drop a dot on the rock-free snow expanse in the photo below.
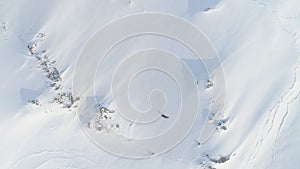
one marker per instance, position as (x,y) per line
(259,49)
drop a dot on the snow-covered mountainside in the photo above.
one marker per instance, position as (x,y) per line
(258,43)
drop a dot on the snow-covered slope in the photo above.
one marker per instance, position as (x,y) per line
(258,44)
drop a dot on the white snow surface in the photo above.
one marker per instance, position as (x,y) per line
(258,42)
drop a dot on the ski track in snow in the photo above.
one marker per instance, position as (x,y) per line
(50,155)
(286,100)
(291,96)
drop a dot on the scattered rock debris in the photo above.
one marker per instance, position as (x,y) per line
(103,112)
(150,153)
(207,9)
(206,165)
(198,143)
(221,124)
(34,102)
(4,30)
(209,162)
(66,99)
(103,120)
(218,160)
(32,46)
(4,27)
(51,71)
(211,167)
(209,84)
